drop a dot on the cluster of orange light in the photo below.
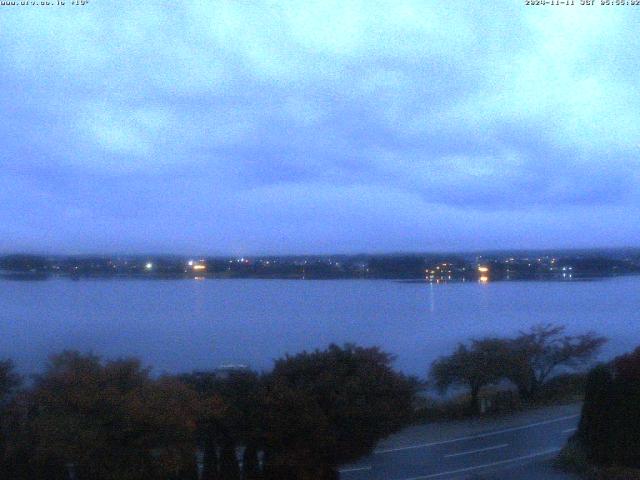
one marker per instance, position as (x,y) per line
(484,278)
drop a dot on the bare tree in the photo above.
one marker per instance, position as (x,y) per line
(528,360)
(536,354)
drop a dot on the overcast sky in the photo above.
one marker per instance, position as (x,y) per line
(273,127)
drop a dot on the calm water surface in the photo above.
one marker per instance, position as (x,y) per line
(184,325)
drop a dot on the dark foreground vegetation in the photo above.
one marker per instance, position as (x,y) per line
(607,444)
(88,419)
(528,368)
(84,418)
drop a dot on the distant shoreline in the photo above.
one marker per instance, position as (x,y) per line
(413,268)
(13,277)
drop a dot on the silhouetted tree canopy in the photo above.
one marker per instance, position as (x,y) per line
(538,353)
(9,381)
(610,424)
(235,419)
(474,366)
(90,419)
(330,407)
(112,420)
(528,360)
(105,421)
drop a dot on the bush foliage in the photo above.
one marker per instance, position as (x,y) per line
(610,424)
(89,419)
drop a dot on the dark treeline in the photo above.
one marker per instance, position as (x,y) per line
(88,419)
(84,418)
(528,362)
(429,267)
(609,429)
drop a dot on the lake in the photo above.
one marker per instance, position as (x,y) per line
(181,325)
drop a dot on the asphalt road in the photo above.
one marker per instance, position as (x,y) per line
(515,447)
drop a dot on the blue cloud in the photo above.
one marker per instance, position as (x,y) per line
(331,126)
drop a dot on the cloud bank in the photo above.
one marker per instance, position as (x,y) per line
(249,127)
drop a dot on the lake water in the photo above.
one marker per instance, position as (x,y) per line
(183,325)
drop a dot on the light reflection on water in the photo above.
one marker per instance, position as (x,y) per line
(432,298)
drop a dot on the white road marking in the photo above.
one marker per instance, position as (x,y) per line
(469,452)
(486,465)
(354,469)
(473,437)
(569,430)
